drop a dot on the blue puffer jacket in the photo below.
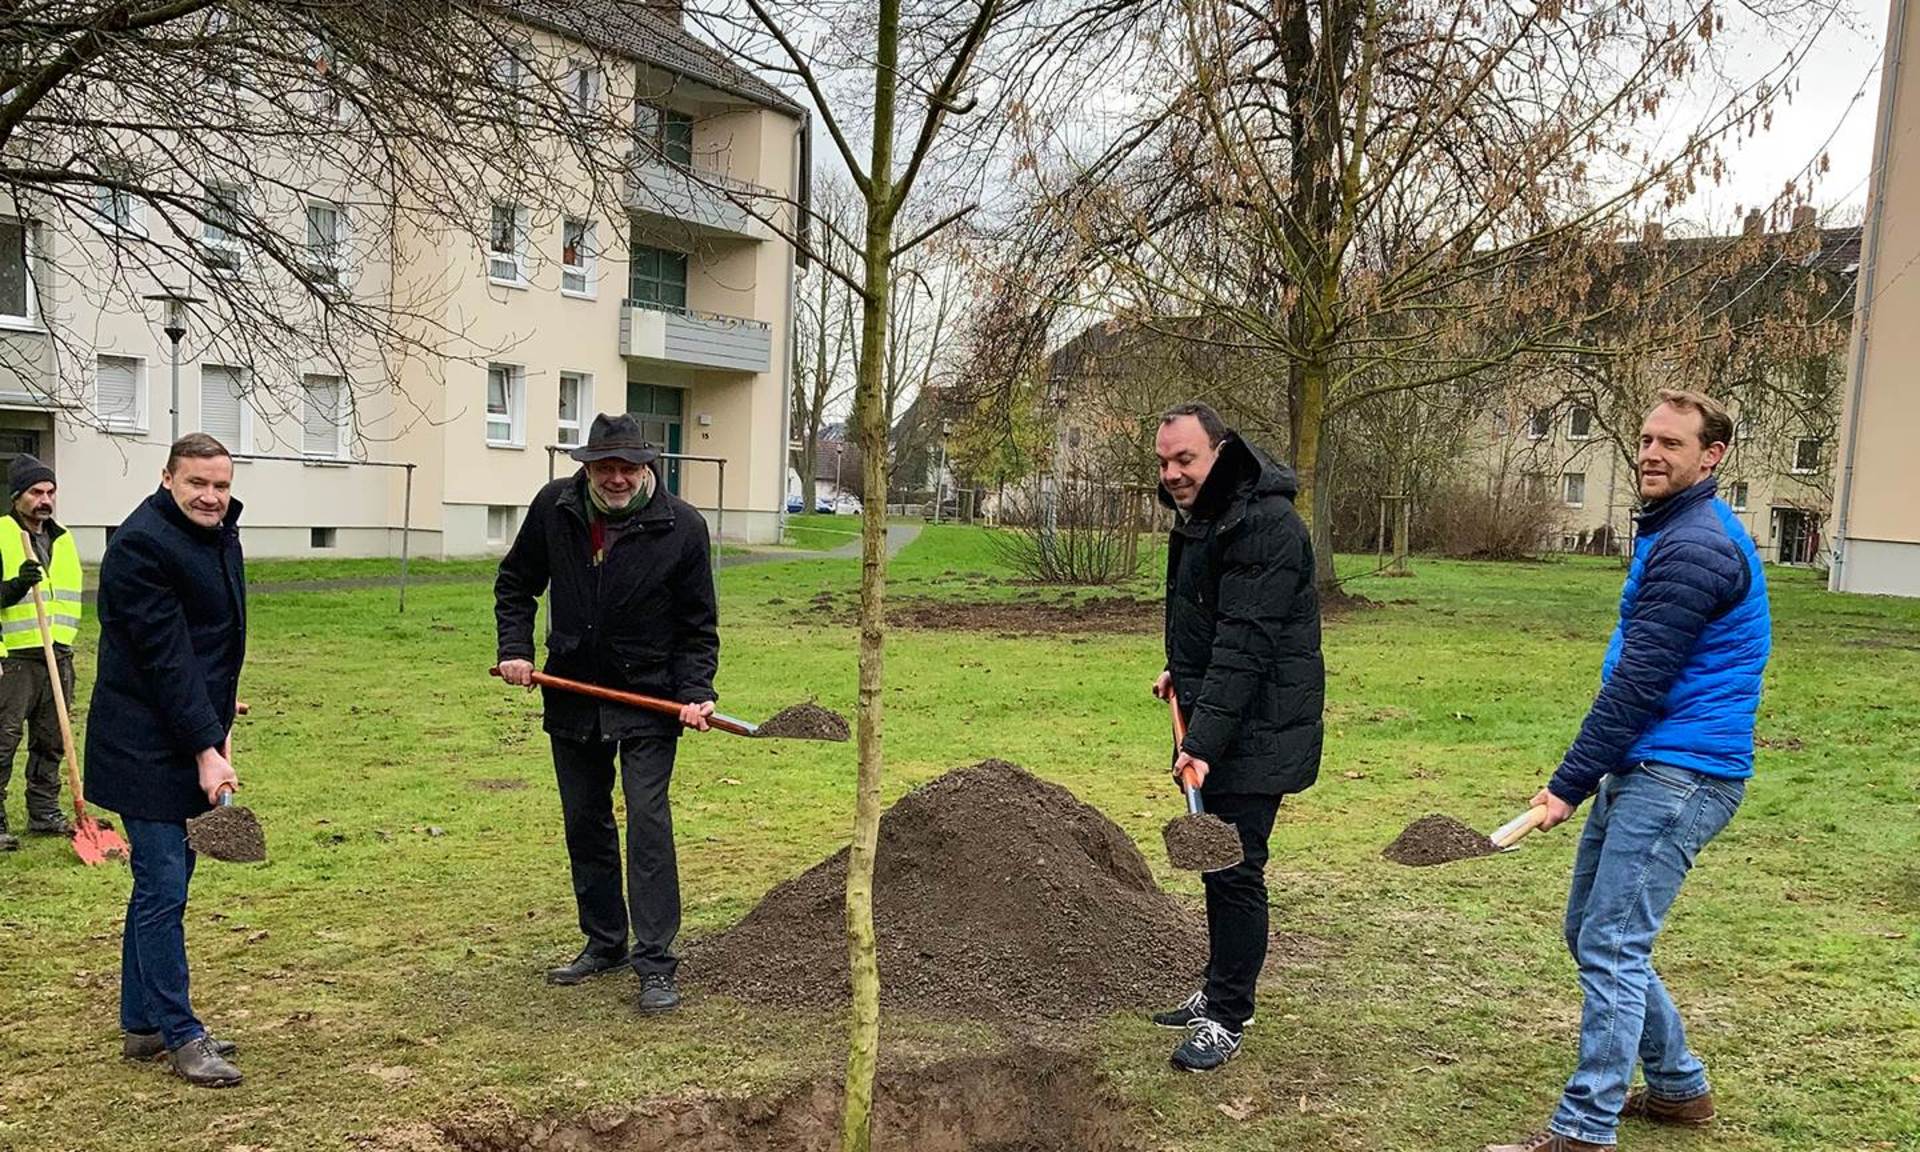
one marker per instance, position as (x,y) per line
(1681,682)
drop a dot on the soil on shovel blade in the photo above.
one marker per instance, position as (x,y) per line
(1201,842)
(230,833)
(806,721)
(1437,839)
(1028,1100)
(996,894)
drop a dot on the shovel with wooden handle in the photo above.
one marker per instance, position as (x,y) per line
(1198,841)
(668,708)
(92,843)
(1509,835)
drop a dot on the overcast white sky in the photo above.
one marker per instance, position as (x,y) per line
(1833,110)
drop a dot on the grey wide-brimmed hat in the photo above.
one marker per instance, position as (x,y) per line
(616,438)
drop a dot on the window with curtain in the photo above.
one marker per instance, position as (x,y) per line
(323,424)
(223,404)
(117,387)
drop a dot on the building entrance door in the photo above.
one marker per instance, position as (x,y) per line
(658,408)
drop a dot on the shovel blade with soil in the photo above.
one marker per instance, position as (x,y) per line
(1198,841)
(1441,839)
(806,721)
(229,832)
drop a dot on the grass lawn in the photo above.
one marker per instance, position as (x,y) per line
(384,967)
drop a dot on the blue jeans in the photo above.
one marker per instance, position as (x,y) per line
(1648,823)
(153,950)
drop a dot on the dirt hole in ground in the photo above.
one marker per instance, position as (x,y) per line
(1437,839)
(1028,1100)
(996,895)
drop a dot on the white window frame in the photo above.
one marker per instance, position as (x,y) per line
(585,88)
(335,264)
(507,529)
(1566,489)
(1572,432)
(516,404)
(243,441)
(29,256)
(577,280)
(1533,485)
(1801,470)
(1738,495)
(227,253)
(1539,423)
(107,202)
(137,424)
(496,256)
(342,418)
(583,404)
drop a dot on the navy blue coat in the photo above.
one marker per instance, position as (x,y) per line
(173,634)
(1681,681)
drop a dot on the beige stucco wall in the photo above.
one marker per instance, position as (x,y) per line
(1877,518)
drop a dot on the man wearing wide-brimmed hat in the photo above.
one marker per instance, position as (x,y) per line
(631,606)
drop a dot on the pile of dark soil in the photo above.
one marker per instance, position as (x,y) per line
(996,894)
(1201,842)
(1437,839)
(229,832)
(1029,1100)
(806,721)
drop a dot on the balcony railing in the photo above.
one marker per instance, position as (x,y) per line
(677,335)
(696,193)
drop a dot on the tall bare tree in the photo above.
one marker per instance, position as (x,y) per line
(1397,197)
(827,329)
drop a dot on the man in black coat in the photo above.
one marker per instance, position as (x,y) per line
(1243,658)
(173,635)
(631,607)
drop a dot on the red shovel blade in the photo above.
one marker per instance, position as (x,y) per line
(97,845)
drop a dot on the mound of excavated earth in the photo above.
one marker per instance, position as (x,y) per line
(996,894)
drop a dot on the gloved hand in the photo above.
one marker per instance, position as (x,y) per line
(30,573)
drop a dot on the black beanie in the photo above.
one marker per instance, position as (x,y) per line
(25,472)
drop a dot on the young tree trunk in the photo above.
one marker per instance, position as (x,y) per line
(863,1039)
(1311,469)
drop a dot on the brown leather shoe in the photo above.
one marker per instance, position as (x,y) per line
(1694,1113)
(1549,1142)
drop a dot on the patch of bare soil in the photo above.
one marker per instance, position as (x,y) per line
(502,784)
(1437,839)
(806,721)
(996,895)
(1106,614)
(231,833)
(1028,1100)
(1201,842)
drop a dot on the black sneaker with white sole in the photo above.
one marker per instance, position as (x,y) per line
(1191,1011)
(1208,1045)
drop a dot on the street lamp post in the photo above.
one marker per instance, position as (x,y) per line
(839,450)
(940,471)
(175,327)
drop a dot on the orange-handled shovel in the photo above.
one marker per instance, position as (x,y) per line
(92,843)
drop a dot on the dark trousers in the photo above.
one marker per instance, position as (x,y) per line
(26,708)
(1237,909)
(153,949)
(652,902)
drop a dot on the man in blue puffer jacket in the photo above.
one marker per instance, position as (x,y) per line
(1665,752)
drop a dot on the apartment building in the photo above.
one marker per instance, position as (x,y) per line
(1775,477)
(1876,520)
(677,308)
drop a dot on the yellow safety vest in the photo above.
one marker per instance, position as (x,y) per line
(19,626)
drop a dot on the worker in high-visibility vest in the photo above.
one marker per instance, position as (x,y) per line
(26,695)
